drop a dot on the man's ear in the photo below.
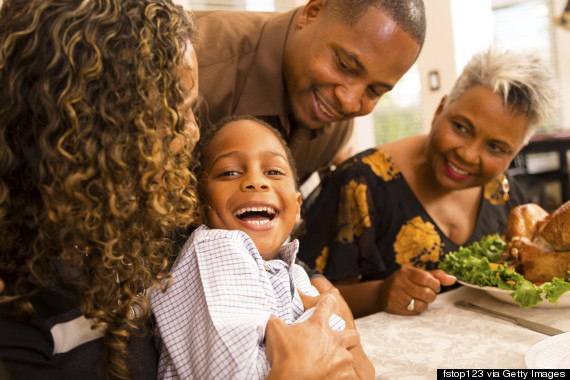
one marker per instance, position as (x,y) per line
(312,10)
(299,203)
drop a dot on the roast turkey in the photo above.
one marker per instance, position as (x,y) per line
(538,243)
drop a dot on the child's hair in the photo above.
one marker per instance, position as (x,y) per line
(206,139)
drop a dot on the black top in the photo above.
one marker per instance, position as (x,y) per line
(364,221)
(59,344)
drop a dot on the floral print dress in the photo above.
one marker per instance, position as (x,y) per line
(364,221)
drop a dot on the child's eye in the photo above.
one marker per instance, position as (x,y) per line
(275,172)
(229,173)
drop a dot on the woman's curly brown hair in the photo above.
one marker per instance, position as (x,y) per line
(91,97)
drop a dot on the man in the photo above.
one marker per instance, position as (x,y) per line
(309,71)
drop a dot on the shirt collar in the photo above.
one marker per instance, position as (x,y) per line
(288,252)
(267,72)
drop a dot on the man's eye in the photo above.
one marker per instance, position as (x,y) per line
(343,66)
(375,93)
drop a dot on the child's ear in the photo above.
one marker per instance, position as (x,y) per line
(299,203)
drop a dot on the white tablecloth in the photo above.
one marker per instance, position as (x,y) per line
(445,336)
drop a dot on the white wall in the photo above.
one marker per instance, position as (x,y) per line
(562,42)
(449,45)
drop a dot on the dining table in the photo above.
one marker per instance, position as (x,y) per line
(446,336)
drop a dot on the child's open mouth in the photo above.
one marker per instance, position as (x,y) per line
(256,215)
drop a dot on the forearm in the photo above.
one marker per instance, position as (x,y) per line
(362,365)
(363,298)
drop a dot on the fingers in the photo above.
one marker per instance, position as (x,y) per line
(411,283)
(349,338)
(443,278)
(308,301)
(324,309)
(341,308)
(421,278)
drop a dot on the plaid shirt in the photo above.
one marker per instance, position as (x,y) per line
(211,320)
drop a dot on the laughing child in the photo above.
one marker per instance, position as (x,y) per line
(235,271)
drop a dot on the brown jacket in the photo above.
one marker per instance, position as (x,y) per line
(240,57)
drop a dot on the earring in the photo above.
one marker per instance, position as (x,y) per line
(506,186)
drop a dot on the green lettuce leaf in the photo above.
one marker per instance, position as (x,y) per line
(555,289)
(471,264)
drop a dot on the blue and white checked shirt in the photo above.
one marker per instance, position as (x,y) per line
(211,320)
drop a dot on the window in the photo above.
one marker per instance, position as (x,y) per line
(398,113)
(528,26)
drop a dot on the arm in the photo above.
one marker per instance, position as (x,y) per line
(212,317)
(362,365)
(312,350)
(25,348)
(394,293)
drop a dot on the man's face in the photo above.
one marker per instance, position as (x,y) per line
(334,71)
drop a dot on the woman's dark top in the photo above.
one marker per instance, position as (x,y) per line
(364,221)
(59,344)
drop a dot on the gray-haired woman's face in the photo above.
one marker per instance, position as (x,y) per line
(474,139)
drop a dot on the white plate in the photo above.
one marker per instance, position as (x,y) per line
(550,353)
(505,296)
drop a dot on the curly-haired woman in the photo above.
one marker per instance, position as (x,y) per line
(94,164)
(96,134)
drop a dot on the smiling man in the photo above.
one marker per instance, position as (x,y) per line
(309,71)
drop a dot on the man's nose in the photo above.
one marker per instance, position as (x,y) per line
(350,98)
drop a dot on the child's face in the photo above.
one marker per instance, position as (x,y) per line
(248,185)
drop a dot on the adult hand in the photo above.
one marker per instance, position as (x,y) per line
(311,349)
(341,309)
(397,291)
(1,286)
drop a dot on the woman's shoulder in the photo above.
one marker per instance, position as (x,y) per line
(374,160)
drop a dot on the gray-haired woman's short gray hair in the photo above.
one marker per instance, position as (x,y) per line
(524,81)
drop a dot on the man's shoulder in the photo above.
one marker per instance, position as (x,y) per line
(226,34)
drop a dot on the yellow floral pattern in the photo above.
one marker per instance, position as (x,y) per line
(353,216)
(321,261)
(382,165)
(417,244)
(494,192)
